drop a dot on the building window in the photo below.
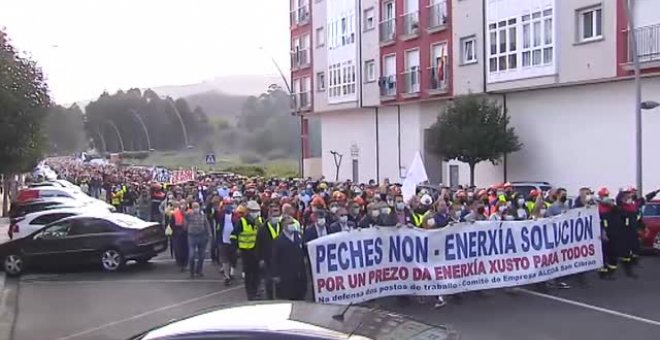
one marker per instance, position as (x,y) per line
(341,79)
(388,79)
(320,37)
(537,48)
(370,70)
(369,19)
(439,67)
(590,23)
(469,50)
(503,45)
(320,82)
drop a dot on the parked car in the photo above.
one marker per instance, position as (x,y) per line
(109,240)
(298,320)
(524,188)
(27,224)
(38,193)
(650,236)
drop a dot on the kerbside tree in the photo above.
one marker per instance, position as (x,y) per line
(473,129)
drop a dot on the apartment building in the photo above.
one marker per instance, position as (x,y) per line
(384,69)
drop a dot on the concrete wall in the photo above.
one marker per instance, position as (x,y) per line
(320,54)
(370,50)
(313,167)
(467,21)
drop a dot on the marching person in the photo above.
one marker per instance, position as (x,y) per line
(179,235)
(611,229)
(226,248)
(266,236)
(288,263)
(199,231)
(245,235)
(629,236)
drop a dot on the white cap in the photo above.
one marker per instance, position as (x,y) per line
(237,194)
(426,200)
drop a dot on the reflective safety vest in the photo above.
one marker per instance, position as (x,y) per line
(247,239)
(274,231)
(418,219)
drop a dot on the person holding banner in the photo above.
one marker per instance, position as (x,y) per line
(289,269)
(343,223)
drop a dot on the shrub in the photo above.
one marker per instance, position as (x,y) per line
(247,170)
(249,157)
(276,154)
(135,155)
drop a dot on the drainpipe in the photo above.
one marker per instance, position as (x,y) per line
(377,149)
(504,162)
(398,134)
(483,44)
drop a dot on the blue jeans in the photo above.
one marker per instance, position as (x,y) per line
(197,250)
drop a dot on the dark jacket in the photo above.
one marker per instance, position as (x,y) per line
(265,241)
(288,264)
(311,234)
(337,225)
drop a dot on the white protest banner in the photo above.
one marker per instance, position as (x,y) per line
(182,176)
(355,266)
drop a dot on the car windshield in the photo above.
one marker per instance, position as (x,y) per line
(651,210)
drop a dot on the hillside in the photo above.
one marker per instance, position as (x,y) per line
(218,104)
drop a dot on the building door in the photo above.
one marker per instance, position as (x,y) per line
(453,176)
(356,178)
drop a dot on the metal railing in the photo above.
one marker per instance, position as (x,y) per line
(648,43)
(387,30)
(301,100)
(411,23)
(387,86)
(437,15)
(300,15)
(438,75)
(411,81)
(300,58)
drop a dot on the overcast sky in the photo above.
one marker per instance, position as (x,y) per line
(87,46)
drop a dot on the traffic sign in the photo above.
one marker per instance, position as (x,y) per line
(210,158)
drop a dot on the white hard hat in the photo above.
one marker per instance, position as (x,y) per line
(237,194)
(426,200)
(254,206)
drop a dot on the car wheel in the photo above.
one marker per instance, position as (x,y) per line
(13,265)
(112,260)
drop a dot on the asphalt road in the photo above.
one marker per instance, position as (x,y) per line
(90,304)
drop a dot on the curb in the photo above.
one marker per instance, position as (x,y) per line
(8,306)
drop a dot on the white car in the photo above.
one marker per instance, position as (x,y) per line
(59,192)
(58,183)
(30,223)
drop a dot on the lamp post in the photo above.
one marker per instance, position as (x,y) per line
(144,127)
(116,129)
(295,110)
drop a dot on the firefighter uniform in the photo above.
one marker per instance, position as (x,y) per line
(629,240)
(245,237)
(612,228)
(266,236)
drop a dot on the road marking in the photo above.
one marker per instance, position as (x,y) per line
(141,315)
(121,281)
(588,306)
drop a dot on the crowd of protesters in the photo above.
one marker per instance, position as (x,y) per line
(268,221)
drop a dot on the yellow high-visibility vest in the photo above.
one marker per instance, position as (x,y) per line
(247,239)
(418,219)
(274,232)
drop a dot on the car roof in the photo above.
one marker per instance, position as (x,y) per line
(75,210)
(306,318)
(122,220)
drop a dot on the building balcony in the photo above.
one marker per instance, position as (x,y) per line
(301,101)
(387,32)
(410,25)
(300,16)
(300,59)
(438,83)
(387,86)
(436,20)
(648,46)
(411,83)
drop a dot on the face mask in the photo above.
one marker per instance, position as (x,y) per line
(255,214)
(320,221)
(502,208)
(375,213)
(588,198)
(343,219)
(196,210)
(274,220)
(521,201)
(400,206)
(355,211)
(385,211)
(291,228)
(334,209)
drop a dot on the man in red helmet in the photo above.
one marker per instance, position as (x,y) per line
(611,228)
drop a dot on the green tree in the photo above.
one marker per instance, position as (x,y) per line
(24,102)
(64,129)
(473,129)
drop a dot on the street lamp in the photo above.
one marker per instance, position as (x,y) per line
(649,105)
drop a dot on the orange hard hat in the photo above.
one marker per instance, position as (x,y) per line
(359,201)
(603,192)
(318,202)
(533,193)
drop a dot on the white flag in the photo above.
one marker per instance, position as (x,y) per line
(416,174)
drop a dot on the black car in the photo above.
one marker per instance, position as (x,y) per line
(298,320)
(106,239)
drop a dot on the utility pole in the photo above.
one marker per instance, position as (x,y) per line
(632,41)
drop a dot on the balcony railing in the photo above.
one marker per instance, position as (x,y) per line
(411,24)
(300,15)
(648,44)
(437,16)
(438,75)
(388,30)
(387,86)
(300,58)
(301,100)
(411,81)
